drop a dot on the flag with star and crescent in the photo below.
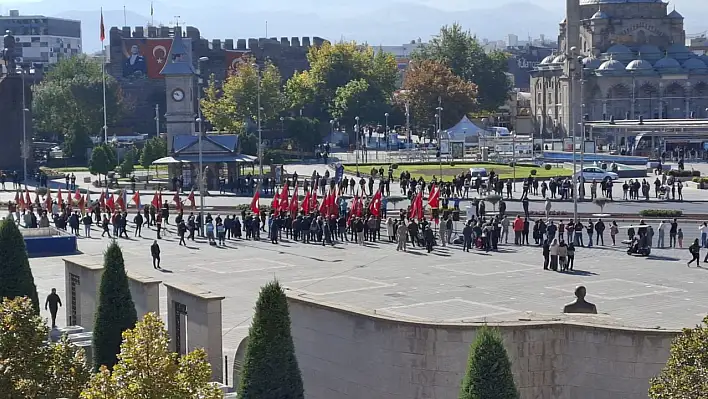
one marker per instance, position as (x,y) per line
(154,53)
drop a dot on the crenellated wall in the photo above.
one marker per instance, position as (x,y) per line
(347,353)
(148,89)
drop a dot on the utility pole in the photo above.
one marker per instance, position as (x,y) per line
(157,120)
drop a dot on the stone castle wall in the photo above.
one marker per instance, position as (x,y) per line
(288,54)
(343,353)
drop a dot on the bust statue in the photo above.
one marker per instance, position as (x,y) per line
(8,52)
(580,305)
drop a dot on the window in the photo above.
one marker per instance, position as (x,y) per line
(35,39)
(43,44)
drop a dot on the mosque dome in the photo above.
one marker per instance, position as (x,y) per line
(591,62)
(650,52)
(639,65)
(547,60)
(599,15)
(695,64)
(675,15)
(559,59)
(679,51)
(611,65)
(667,63)
(620,51)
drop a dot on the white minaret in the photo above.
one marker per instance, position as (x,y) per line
(179,76)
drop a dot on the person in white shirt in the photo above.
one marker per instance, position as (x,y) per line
(662,230)
(703,229)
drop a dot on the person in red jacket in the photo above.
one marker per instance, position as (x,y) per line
(518,229)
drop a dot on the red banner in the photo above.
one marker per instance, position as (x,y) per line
(145,57)
(234,57)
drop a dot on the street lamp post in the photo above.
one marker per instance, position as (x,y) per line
(582,121)
(25,111)
(386,133)
(260,131)
(356,139)
(571,60)
(200,119)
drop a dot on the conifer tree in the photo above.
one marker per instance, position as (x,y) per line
(488,373)
(16,278)
(116,310)
(270,368)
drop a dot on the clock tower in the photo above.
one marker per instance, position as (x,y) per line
(179,76)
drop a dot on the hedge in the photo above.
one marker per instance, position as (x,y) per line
(661,213)
(700,180)
(684,173)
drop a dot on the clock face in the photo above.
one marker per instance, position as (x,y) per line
(178,95)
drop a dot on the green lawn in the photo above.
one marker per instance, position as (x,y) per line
(428,170)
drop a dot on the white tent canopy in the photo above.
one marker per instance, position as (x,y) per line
(466,130)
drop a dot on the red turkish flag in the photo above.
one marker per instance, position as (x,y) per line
(191,199)
(255,202)
(110,203)
(434,197)
(306,203)
(60,200)
(375,204)
(48,200)
(136,199)
(294,205)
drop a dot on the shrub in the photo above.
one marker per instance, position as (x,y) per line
(661,213)
(488,372)
(547,166)
(16,278)
(700,180)
(116,310)
(270,369)
(601,202)
(684,373)
(684,173)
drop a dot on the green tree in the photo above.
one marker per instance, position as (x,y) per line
(249,144)
(463,54)
(304,132)
(66,100)
(428,81)
(16,278)
(99,162)
(116,310)
(684,374)
(235,103)
(270,368)
(147,368)
(154,149)
(31,369)
(488,374)
(128,165)
(344,79)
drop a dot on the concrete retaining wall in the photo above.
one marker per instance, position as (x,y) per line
(343,353)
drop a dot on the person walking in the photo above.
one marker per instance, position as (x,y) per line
(614,230)
(138,220)
(695,250)
(429,237)
(87,221)
(467,236)
(443,232)
(571,256)
(158,225)
(52,303)
(181,231)
(155,252)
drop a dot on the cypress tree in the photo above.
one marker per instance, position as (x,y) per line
(16,278)
(488,373)
(116,310)
(270,368)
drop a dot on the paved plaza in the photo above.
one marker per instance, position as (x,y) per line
(447,285)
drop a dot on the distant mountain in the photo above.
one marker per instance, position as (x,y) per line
(376,22)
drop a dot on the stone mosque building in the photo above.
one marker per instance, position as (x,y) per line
(634,64)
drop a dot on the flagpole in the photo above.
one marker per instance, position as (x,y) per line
(103,78)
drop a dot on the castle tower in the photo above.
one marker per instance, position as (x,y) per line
(179,76)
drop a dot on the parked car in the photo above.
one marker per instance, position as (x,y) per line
(595,173)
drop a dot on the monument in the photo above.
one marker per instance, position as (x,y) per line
(8,52)
(580,305)
(15,97)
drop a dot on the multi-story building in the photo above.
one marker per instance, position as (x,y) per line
(42,40)
(403,54)
(619,59)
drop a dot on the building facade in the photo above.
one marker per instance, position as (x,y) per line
(137,55)
(621,59)
(42,40)
(403,54)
